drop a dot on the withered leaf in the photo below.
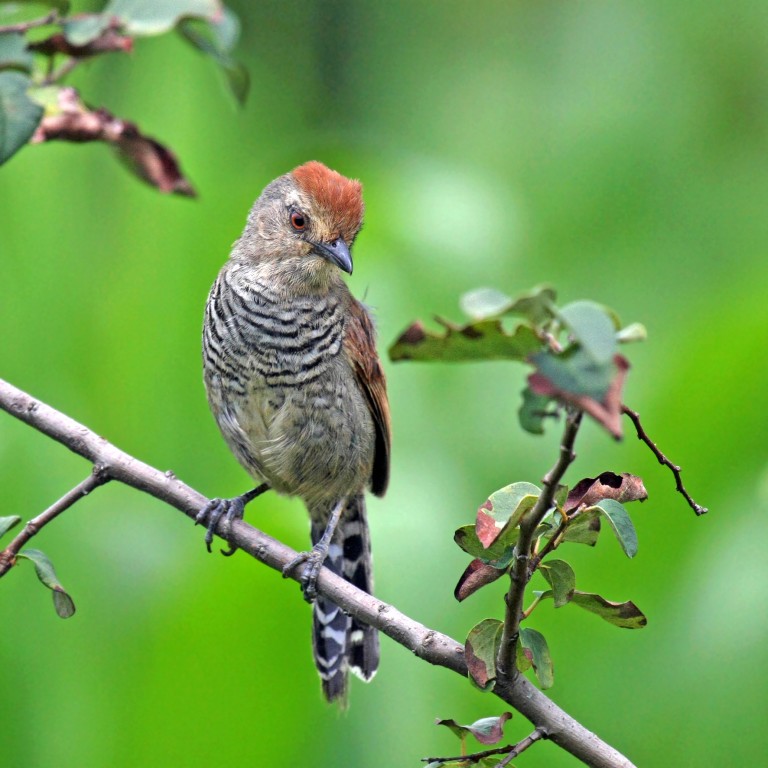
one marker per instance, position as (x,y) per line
(71,120)
(607,485)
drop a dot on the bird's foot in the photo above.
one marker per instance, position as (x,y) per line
(232,509)
(314,560)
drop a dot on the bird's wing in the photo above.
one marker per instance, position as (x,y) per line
(360,347)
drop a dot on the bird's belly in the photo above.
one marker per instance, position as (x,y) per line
(314,440)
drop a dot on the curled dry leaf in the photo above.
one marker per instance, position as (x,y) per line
(68,119)
(477,574)
(606,412)
(608,485)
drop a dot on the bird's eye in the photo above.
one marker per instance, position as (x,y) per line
(298,222)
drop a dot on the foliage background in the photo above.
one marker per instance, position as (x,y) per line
(616,151)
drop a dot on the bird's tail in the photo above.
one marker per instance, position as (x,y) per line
(341,643)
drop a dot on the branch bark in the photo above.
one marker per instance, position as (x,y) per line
(428,644)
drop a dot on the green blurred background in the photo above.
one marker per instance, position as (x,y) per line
(618,152)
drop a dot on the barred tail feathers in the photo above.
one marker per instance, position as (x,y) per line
(340,643)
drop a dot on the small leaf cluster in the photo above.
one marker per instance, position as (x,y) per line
(62,602)
(576,517)
(487,731)
(37,55)
(573,350)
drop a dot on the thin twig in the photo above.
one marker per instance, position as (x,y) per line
(8,556)
(427,644)
(521,746)
(474,757)
(642,435)
(23,26)
(521,573)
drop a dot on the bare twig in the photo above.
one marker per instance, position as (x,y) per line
(23,26)
(427,644)
(521,573)
(510,750)
(8,556)
(642,435)
(521,746)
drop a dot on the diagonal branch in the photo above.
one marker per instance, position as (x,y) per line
(643,435)
(427,644)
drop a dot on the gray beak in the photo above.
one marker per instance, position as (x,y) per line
(337,253)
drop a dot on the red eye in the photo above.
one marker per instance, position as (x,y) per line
(298,222)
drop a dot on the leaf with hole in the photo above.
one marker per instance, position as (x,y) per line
(62,602)
(481,650)
(607,485)
(534,641)
(561,578)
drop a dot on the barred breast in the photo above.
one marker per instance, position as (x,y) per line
(281,388)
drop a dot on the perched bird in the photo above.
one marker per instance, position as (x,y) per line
(296,387)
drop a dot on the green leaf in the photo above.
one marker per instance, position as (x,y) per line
(13,52)
(626,615)
(576,372)
(561,578)
(481,650)
(535,409)
(62,602)
(480,340)
(633,332)
(19,115)
(154,17)
(6,523)
(217,39)
(584,528)
(497,554)
(60,5)
(85,28)
(592,328)
(502,512)
(542,662)
(538,306)
(483,303)
(487,730)
(621,523)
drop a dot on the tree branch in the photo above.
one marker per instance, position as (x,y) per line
(23,26)
(427,644)
(642,435)
(510,750)
(94,480)
(520,574)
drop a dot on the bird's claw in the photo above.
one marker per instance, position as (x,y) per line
(314,559)
(214,510)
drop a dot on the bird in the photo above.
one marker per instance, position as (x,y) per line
(297,389)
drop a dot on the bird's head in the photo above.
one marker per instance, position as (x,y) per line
(303,225)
